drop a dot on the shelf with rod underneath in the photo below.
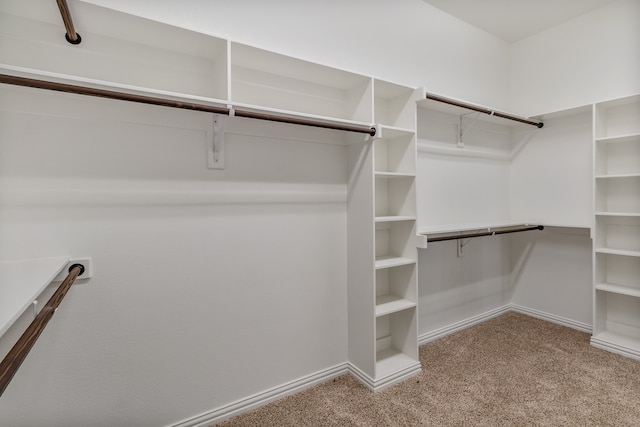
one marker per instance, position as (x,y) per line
(465,233)
(21,282)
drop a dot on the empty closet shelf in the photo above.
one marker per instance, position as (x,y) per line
(387,304)
(392,261)
(619,289)
(392,218)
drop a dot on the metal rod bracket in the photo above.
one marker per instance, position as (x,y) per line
(462,131)
(215,146)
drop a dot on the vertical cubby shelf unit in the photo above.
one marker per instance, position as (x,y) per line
(383,298)
(129,54)
(616,255)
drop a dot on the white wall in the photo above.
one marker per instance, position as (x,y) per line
(588,59)
(209,286)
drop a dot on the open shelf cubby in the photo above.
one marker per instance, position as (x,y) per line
(266,79)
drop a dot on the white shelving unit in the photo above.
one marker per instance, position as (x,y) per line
(129,54)
(382,243)
(616,253)
(21,281)
(493,165)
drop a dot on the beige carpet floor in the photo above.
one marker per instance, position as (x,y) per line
(512,370)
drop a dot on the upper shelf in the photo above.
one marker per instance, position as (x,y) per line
(138,55)
(118,48)
(21,281)
(267,79)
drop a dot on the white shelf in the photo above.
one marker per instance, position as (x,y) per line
(623,252)
(620,214)
(392,261)
(619,289)
(395,218)
(21,281)
(632,137)
(268,79)
(393,175)
(619,175)
(454,228)
(390,361)
(387,304)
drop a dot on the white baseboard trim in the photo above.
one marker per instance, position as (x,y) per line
(615,348)
(463,324)
(236,408)
(220,414)
(377,385)
(573,324)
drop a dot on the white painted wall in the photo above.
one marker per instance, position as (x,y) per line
(209,286)
(588,59)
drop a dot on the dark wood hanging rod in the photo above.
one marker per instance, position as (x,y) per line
(72,36)
(439,237)
(12,361)
(472,107)
(240,112)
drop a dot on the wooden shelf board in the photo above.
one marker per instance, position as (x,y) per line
(390,361)
(21,281)
(394,218)
(620,175)
(620,138)
(628,214)
(619,289)
(392,261)
(394,175)
(623,252)
(387,304)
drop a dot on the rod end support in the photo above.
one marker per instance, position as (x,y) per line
(80,266)
(78,39)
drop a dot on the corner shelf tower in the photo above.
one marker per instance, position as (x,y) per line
(616,245)
(382,267)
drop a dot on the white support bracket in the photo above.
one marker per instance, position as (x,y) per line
(461,245)
(378,134)
(215,149)
(462,131)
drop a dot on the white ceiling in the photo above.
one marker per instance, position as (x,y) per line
(513,20)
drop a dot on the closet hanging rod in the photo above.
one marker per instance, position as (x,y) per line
(485,232)
(444,100)
(72,36)
(227,110)
(12,361)
(239,112)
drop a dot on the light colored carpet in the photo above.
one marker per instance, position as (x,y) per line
(512,370)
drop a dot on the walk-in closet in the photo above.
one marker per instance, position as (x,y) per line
(206,207)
